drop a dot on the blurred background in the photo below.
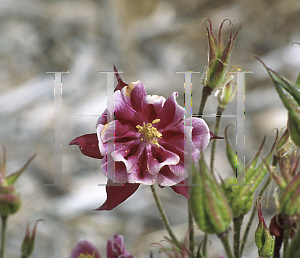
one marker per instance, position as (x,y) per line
(148,40)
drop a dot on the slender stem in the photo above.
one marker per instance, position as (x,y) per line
(191,231)
(261,192)
(3,235)
(214,141)
(286,235)
(237,223)
(164,217)
(224,239)
(205,245)
(205,94)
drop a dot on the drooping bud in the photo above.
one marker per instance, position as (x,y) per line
(29,240)
(263,239)
(218,55)
(208,202)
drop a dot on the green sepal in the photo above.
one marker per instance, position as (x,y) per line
(281,83)
(208,202)
(297,83)
(11,179)
(294,129)
(290,198)
(294,247)
(240,197)
(234,161)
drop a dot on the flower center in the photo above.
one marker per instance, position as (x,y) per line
(150,133)
(87,255)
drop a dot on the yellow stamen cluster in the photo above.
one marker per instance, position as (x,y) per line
(150,133)
(87,255)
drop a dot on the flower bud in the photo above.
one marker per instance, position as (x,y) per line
(290,96)
(218,55)
(240,197)
(29,239)
(208,203)
(10,201)
(227,91)
(263,239)
(290,198)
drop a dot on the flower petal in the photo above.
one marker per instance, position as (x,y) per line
(88,144)
(116,194)
(133,94)
(152,107)
(171,112)
(181,188)
(165,177)
(200,133)
(84,247)
(157,157)
(116,248)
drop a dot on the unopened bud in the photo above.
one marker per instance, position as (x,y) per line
(218,56)
(10,201)
(263,239)
(29,240)
(208,202)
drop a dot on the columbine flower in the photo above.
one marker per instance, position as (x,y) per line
(148,142)
(85,249)
(115,249)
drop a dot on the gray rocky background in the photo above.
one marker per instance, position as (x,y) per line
(148,40)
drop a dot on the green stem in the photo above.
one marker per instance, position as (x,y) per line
(214,141)
(286,235)
(205,245)
(191,231)
(237,223)
(261,192)
(164,217)
(205,94)
(3,235)
(224,239)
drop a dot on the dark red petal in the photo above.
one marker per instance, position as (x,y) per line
(181,188)
(121,83)
(88,144)
(116,194)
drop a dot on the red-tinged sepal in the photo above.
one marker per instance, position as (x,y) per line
(181,188)
(121,83)
(88,145)
(116,194)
